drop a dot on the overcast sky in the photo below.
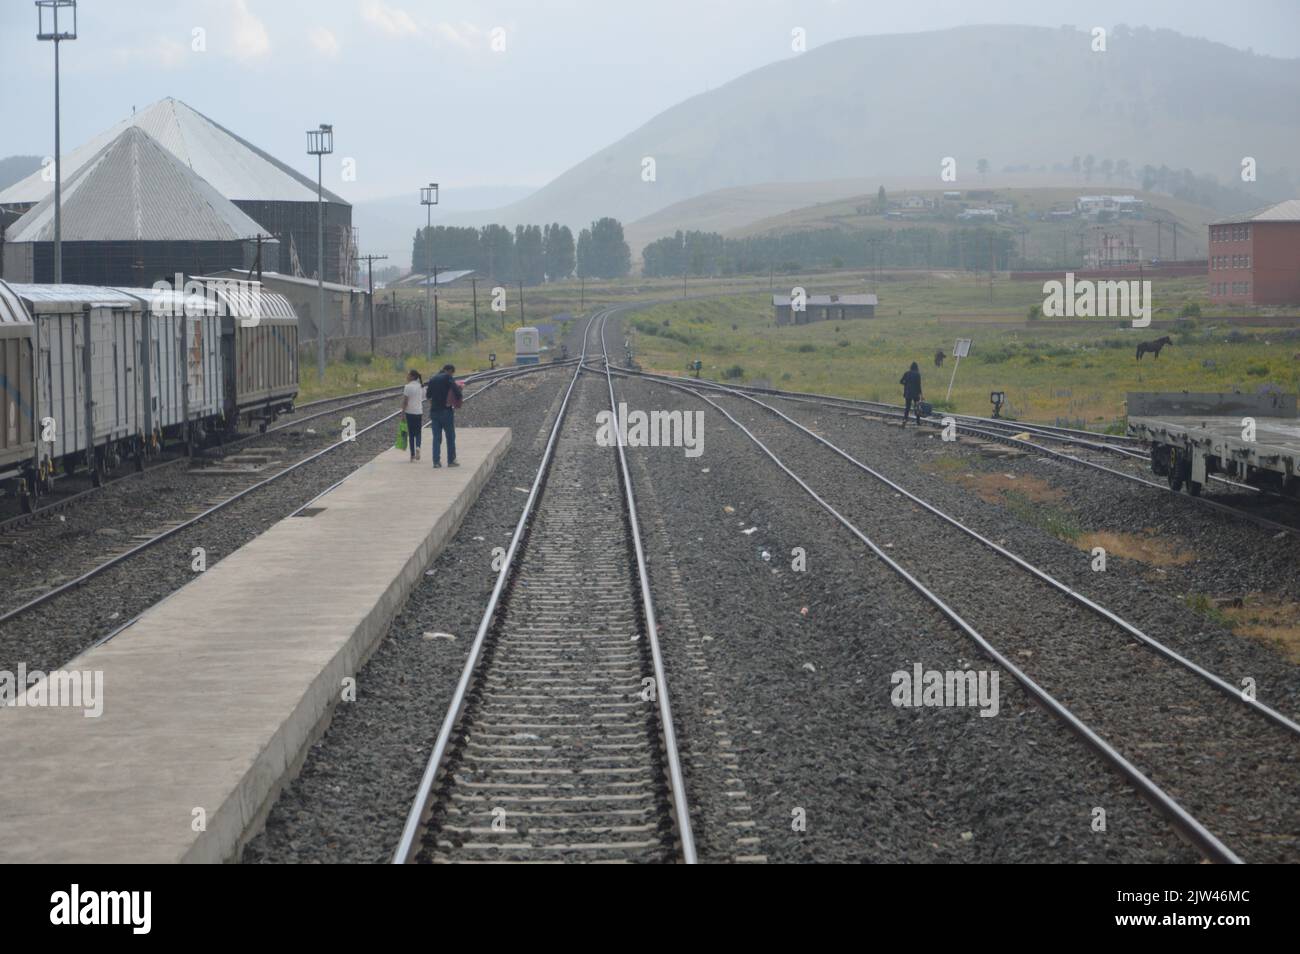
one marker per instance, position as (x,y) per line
(416,91)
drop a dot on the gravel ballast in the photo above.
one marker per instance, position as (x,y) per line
(808,695)
(350,800)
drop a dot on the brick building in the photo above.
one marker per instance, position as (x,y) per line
(1255,257)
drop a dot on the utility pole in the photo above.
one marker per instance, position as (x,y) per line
(991,263)
(435,310)
(370,271)
(683,265)
(521,303)
(320,143)
(582,295)
(428,199)
(1173,228)
(474,285)
(49,30)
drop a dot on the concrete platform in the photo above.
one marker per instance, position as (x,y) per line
(211,698)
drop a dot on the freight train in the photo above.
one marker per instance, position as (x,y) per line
(91,376)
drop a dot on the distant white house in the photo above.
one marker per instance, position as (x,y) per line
(982,214)
(1094,204)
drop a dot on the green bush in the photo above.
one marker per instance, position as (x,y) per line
(734,372)
(807,348)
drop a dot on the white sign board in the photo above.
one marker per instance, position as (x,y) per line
(962,348)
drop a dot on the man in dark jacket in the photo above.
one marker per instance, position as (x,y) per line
(443,393)
(911,382)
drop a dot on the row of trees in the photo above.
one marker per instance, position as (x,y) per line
(708,253)
(531,253)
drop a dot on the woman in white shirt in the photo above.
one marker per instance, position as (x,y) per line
(413,408)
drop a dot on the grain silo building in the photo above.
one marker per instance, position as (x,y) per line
(133,214)
(280,199)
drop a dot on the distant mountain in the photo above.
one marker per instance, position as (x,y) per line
(16,168)
(386,226)
(1021,97)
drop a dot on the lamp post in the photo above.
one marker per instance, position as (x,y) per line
(320,143)
(428,199)
(47,28)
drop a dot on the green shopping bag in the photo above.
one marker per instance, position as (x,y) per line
(400,444)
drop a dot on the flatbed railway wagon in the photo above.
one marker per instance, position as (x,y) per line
(1250,438)
(259,340)
(18,426)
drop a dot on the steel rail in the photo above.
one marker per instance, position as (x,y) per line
(135,619)
(671,755)
(360,399)
(1167,652)
(1179,817)
(852,404)
(407,847)
(78,581)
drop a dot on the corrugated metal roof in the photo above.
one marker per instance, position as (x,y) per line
(1288,211)
(245,274)
(173,302)
(829,300)
(135,190)
(233,166)
(41,299)
(249,300)
(444,277)
(12,311)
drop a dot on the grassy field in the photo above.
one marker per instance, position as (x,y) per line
(1049,372)
(1079,374)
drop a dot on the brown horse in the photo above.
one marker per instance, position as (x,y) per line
(1152,346)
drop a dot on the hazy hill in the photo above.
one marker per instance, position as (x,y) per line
(16,168)
(1021,97)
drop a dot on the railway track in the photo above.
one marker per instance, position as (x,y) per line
(558,743)
(324,407)
(1011,433)
(166,530)
(1210,720)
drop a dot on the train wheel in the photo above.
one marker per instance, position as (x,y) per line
(27,495)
